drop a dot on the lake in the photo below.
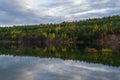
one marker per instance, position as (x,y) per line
(67,62)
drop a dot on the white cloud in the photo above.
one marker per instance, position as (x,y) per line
(47,11)
(78,2)
(92,11)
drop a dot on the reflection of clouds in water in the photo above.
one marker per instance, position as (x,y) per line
(92,67)
(31,68)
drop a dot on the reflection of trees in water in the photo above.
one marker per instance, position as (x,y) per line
(82,52)
(111,41)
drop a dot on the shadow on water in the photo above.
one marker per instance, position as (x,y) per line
(90,53)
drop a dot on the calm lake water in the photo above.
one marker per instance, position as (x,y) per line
(20,62)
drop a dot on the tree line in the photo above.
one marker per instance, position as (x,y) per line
(84,30)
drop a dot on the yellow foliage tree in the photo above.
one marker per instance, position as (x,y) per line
(44,34)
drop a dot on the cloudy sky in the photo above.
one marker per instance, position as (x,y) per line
(54,11)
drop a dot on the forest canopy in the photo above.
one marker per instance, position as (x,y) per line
(83,30)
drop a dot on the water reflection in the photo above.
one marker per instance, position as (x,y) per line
(86,53)
(34,68)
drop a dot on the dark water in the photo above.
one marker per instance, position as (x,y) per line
(67,62)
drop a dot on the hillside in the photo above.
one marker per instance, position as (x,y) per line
(89,30)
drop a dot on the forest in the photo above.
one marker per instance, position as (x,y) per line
(88,30)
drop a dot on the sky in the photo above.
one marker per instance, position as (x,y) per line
(22,12)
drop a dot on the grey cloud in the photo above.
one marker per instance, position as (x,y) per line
(51,11)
